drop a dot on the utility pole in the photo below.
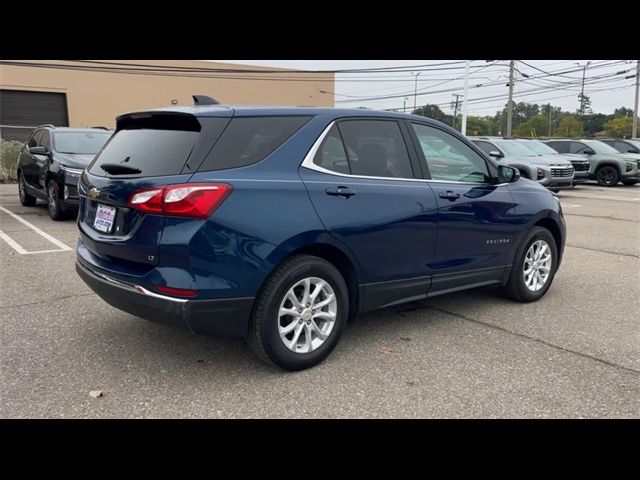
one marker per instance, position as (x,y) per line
(463,130)
(415,90)
(549,120)
(512,66)
(455,104)
(634,130)
(584,72)
(405,104)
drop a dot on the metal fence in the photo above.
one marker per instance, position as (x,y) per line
(12,139)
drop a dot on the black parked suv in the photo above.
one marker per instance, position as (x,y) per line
(51,162)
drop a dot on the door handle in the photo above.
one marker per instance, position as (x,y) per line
(343,192)
(449,195)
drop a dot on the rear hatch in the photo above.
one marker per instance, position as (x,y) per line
(148,149)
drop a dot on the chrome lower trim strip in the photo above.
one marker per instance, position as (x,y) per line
(132,287)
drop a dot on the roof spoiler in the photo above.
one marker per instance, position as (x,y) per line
(204,100)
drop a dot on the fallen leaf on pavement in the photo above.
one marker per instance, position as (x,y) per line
(385,350)
(406,339)
(96,393)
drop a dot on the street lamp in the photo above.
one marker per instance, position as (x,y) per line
(415,90)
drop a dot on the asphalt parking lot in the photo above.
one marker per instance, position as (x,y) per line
(575,353)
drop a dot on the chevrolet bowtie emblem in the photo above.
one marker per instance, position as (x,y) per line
(94,192)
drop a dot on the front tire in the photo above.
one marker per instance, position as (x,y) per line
(534,268)
(25,199)
(299,314)
(607,176)
(54,203)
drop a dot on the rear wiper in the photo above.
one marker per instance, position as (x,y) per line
(119,169)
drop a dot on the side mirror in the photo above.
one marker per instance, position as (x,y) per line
(508,174)
(588,151)
(495,154)
(38,151)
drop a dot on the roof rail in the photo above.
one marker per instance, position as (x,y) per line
(101,128)
(204,100)
(46,125)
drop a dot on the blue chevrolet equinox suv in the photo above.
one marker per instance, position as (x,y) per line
(281,224)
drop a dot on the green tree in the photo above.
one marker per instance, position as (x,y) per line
(434,112)
(476,125)
(569,126)
(556,113)
(623,112)
(479,126)
(534,127)
(594,123)
(619,127)
(585,104)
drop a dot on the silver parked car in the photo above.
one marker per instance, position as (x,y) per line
(607,165)
(550,171)
(579,163)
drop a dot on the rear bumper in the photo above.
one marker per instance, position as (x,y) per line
(226,317)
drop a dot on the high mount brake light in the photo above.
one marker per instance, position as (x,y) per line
(194,200)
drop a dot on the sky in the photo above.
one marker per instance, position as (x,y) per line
(556,81)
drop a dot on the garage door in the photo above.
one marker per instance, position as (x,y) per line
(21,107)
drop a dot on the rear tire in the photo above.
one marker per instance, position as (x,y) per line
(607,176)
(295,341)
(25,199)
(517,287)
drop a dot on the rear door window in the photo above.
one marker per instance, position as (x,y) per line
(331,155)
(376,148)
(247,140)
(560,147)
(624,147)
(577,147)
(486,147)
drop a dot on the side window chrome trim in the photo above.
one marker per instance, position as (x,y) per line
(308,163)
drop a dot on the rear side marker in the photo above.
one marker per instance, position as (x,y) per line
(178,292)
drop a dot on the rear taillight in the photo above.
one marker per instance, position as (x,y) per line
(194,200)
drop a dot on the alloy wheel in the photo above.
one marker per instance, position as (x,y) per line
(608,176)
(536,269)
(53,201)
(21,189)
(307,315)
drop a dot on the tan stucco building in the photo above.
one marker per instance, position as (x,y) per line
(83,94)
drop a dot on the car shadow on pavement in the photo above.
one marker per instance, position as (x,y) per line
(131,341)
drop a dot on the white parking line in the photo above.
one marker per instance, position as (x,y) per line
(18,248)
(601,197)
(12,243)
(570,205)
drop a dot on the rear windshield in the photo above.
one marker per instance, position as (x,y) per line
(79,142)
(247,140)
(154,152)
